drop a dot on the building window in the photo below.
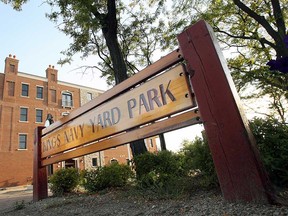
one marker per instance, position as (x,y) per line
(25,90)
(89,96)
(112,161)
(53,95)
(12,68)
(11,88)
(94,162)
(39,92)
(67,100)
(23,114)
(39,115)
(22,141)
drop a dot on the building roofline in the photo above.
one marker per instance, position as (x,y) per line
(32,76)
(79,86)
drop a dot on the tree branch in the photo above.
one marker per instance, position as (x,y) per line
(260,19)
(279,17)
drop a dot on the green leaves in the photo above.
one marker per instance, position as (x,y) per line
(272,142)
(111,176)
(252,33)
(64,181)
(16,4)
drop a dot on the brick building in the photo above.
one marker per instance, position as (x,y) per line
(25,101)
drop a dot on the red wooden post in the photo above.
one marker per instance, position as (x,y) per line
(236,158)
(40,182)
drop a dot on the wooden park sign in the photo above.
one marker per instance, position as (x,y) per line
(159,99)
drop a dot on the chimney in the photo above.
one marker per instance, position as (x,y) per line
(11,65)
(51,74)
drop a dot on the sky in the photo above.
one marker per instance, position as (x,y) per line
(37,43)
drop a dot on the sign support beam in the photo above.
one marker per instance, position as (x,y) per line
(40,182)
(240,172)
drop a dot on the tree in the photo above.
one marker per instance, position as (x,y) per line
(120,35)
(253,31)
(83,21)
(16,4)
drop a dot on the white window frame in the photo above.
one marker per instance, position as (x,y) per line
(65,103)
(36,115)
(26,114)
(21,149)
(38,86)
(23,83)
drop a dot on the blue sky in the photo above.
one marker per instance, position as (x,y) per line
(37,43)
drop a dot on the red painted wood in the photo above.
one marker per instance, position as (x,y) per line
(240,172)
(40,182)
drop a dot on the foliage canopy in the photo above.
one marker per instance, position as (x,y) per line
(253,32)
(126,35)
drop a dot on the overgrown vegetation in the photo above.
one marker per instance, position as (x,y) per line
(272,142)
(175,174)
(167,174)
(161,173)
(198,162)
(64,181)
(111,176)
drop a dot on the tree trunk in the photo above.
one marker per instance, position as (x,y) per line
(109,30)
(162,142)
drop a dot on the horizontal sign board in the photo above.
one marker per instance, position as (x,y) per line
(159,97)
(175,122)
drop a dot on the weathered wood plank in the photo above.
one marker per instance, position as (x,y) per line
(159,97)
(160,65)
(240,172)
(40,182)
(172,123)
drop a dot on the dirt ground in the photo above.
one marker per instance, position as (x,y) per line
(121,202)
(11,196)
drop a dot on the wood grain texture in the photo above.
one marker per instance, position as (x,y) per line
(40,182)
(240,172)
(160,65)
(159,97)
(178,121)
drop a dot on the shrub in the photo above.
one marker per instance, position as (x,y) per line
(64,181)
(144,163)
(272,142)
(114,175)
(160,172)
(197,161)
